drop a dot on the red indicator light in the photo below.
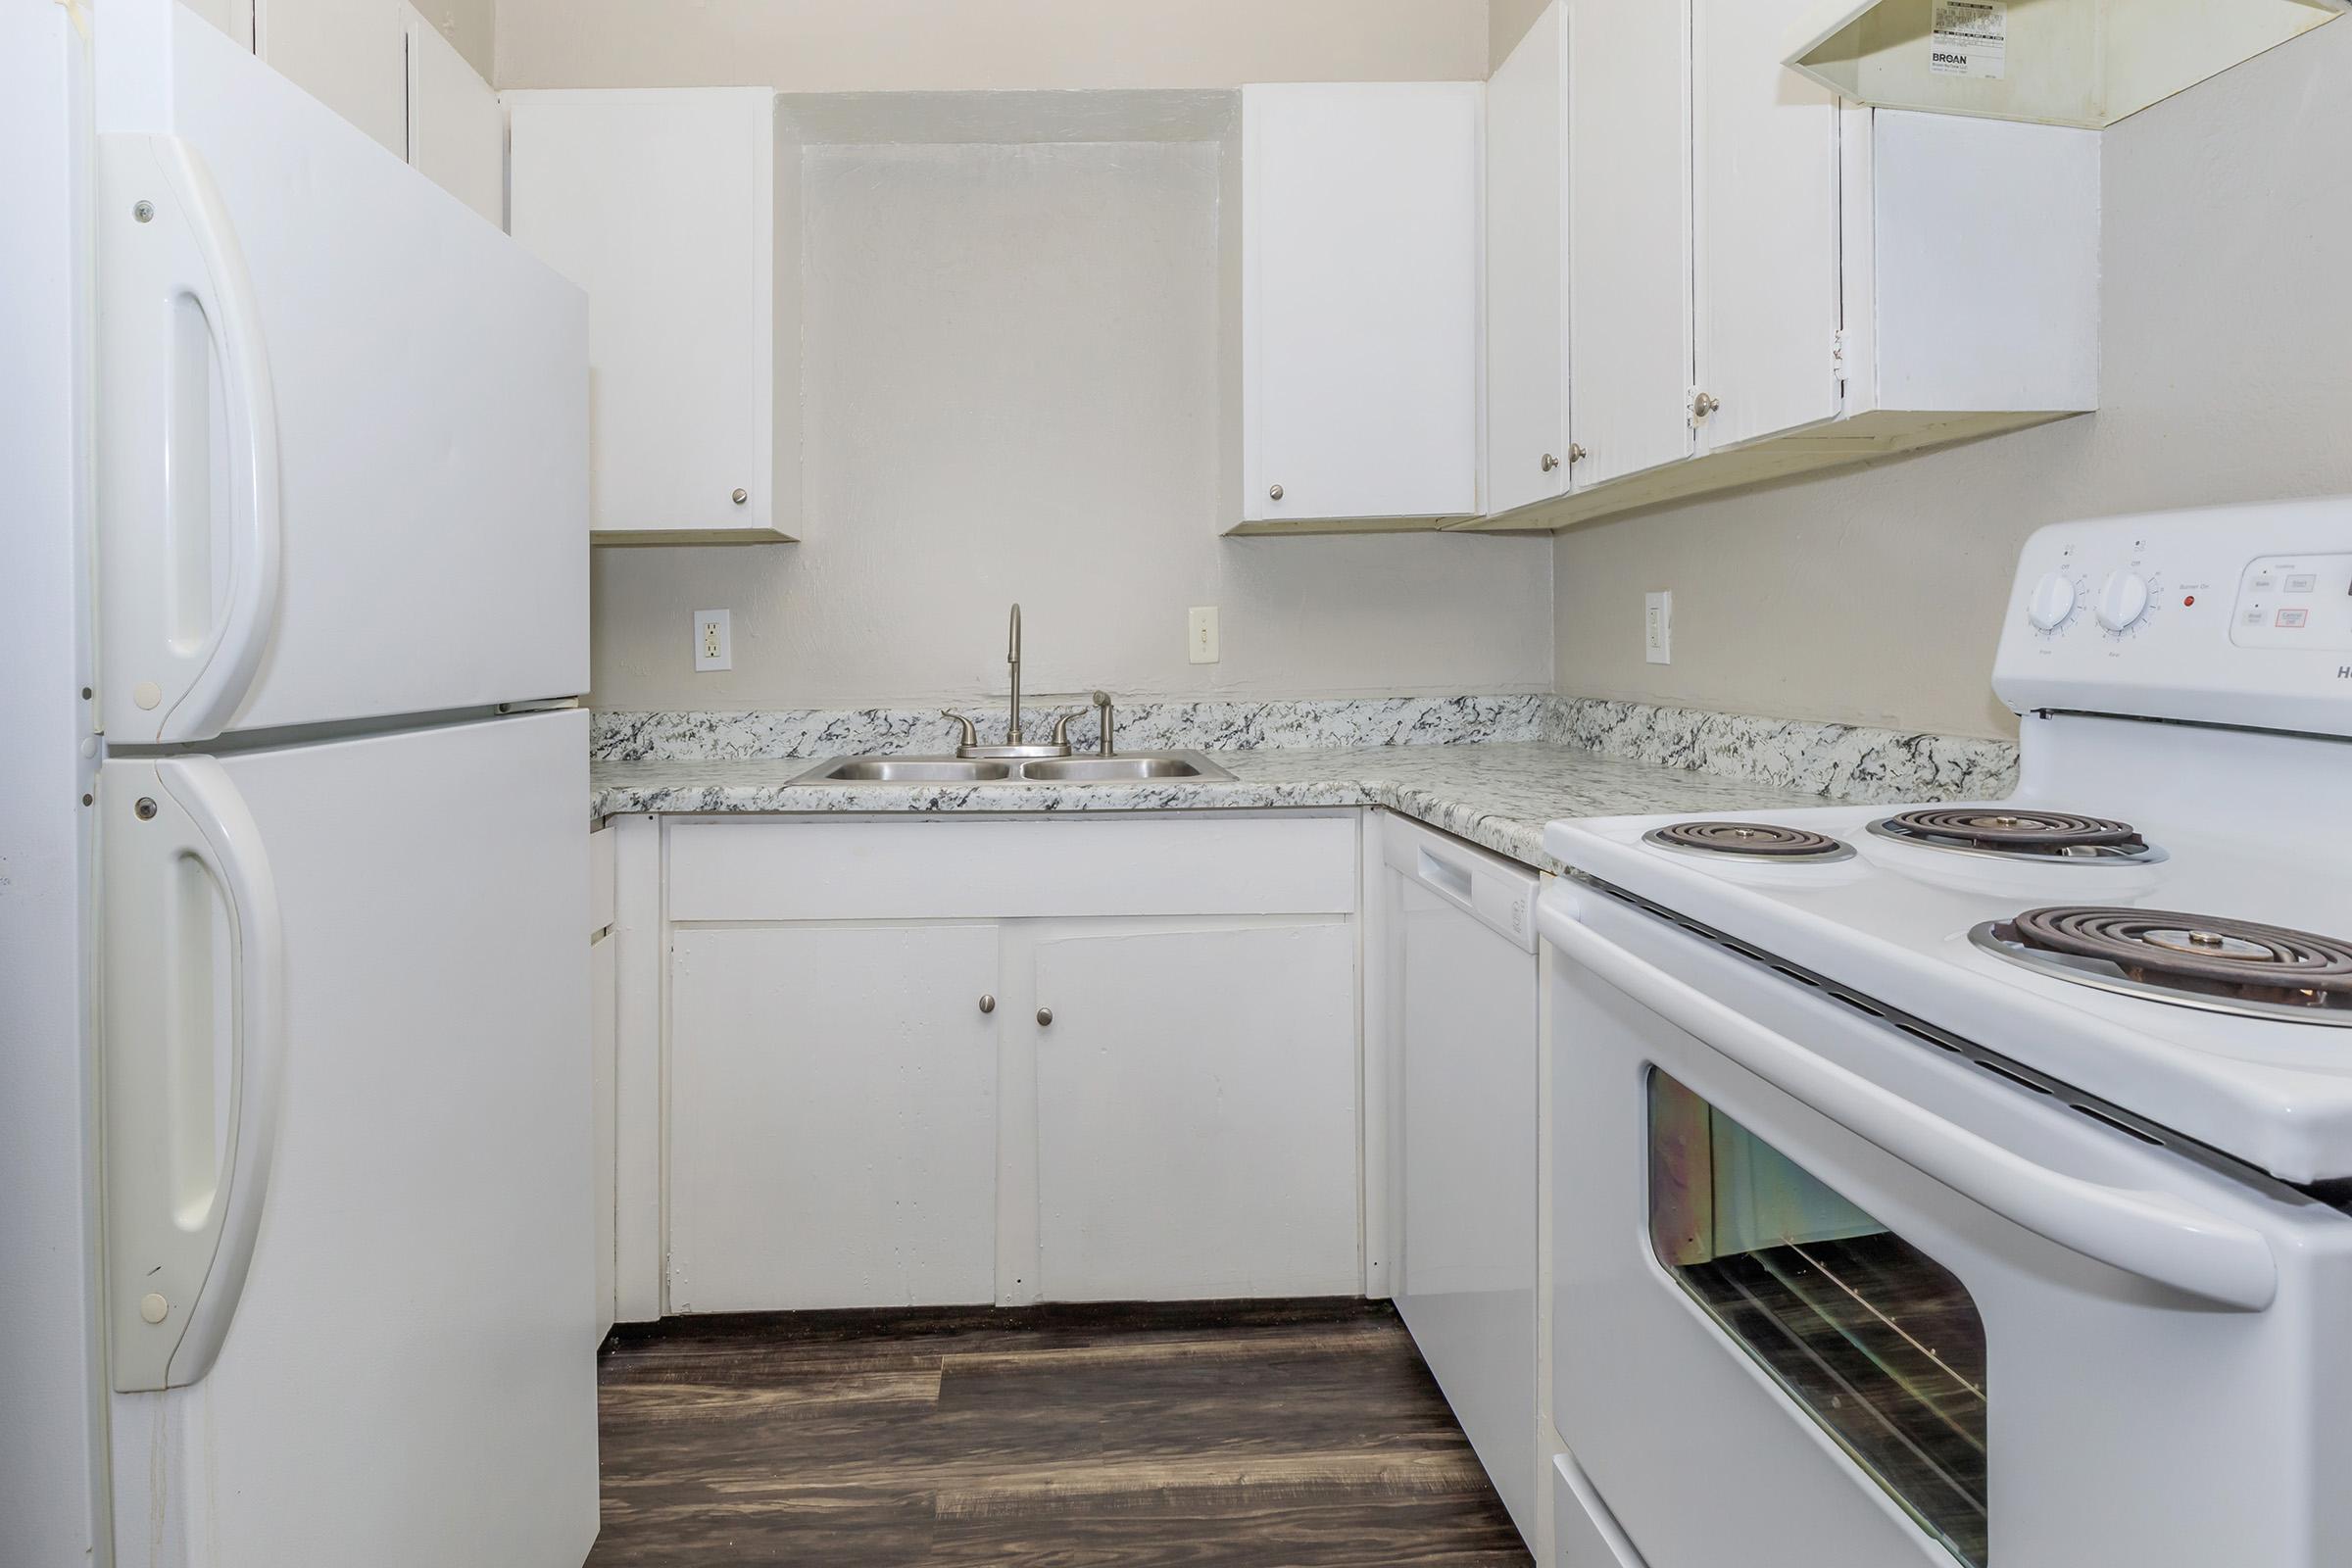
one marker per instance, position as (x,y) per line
(2188,600)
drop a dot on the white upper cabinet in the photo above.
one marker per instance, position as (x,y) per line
(383,67)
(1527,307)
(1764,194)
(1359,304)
(232,17)
(672,209)
(1628,235)
(456,137)
(1763,280)
(351,54)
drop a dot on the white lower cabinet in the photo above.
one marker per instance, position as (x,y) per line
(922,1063)
(1197,1111)
(833,1116)
(604,1039)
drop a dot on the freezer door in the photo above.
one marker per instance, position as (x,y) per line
(346,1050)
(342,421)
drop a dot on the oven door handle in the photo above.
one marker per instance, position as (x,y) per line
(2149,1235)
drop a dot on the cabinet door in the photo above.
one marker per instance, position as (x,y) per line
(232,17)
(832,1117)
(456,137)
(1359,300)
(1767,295)
(1527,293)
(1197,1111)
(1629,233)
(661,206)
(602,1038)
(351,54)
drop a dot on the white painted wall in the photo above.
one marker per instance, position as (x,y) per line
(1011,366)
(1875,596)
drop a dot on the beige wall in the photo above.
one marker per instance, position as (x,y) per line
(470,24)
(1875,596)
(1011,385)
(876,45)
(1507,21)
(1038,420)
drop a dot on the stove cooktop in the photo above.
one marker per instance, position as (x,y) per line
(2010,833)
(2222,1024)
(2194,960)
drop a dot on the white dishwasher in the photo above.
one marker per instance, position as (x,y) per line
(1464,987)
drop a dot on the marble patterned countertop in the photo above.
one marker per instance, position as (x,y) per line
(1495,794)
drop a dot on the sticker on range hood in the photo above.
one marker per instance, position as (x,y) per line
(1970,39)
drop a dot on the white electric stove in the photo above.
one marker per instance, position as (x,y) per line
(1981,1167)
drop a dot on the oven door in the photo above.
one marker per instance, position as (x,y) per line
(1827,1294)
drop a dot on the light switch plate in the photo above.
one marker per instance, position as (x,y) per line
(1657,628)
(1200,634)
(713,642)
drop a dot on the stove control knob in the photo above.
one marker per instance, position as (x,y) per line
(2123,600)
(2052,601)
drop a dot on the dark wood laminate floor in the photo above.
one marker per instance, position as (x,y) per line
(1297,1435)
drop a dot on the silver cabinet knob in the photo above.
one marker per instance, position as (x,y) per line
(988,1004)
(741,496)
(1576,454)
(1273,492)
(1705,405)
(1044,1017)
(1549,462)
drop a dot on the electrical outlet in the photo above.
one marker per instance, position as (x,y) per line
(1200,634)
(1657,628)
(714,644)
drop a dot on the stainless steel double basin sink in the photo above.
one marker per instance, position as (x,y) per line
(1126,767)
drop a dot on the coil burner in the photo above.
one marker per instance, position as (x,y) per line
(1751,841)
(2017,835)
(2192,960)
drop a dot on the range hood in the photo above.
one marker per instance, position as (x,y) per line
(2056,61)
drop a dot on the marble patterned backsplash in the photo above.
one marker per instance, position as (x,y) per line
(1342,723)
(1845,762)
(1838,761)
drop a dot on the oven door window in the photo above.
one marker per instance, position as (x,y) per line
(1877,1342)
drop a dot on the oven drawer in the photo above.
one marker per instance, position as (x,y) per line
(1584,1535)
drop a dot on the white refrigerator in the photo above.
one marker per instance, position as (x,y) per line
(304,469)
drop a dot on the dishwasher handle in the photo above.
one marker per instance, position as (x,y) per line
(1497,893)
(2151,1236)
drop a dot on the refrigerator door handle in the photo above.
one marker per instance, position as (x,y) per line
(185,640)
(192,999)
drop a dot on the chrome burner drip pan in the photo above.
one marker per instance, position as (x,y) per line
(2187,960)
(2008,833)
(1750,841)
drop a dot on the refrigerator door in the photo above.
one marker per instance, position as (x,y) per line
(349,1236)
(342,421)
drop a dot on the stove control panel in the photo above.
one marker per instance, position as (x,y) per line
(2235,615)
(2295,601)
